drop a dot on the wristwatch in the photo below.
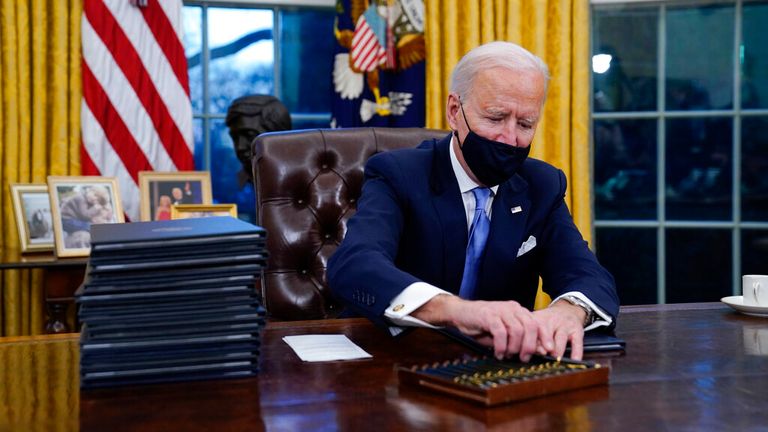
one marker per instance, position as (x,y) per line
(591,316)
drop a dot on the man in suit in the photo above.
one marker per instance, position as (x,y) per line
(179,196)
(457,232)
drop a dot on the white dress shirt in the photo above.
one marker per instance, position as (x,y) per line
(418,293)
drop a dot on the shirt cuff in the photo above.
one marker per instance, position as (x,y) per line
(410,299)
(602,319)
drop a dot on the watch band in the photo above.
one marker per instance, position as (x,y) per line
(590,318)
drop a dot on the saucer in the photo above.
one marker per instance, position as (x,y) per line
(737,302)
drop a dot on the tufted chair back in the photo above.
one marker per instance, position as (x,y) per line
(307,184)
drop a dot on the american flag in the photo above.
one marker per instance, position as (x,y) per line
(136,113)
(367,51)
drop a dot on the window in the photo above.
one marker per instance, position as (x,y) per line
(680,125)
(241,48)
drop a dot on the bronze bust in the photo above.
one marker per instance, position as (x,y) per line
(249,116)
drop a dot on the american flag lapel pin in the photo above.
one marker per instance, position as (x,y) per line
(516,209)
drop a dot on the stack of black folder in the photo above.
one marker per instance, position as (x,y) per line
(171,301)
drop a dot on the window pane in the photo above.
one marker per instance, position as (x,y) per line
(699,168)
(197,134)
(630,37)
(306,60)
(754,169)
(698,265)
(242,55)
(227,177)
(192,20)
(699,58)
(625,169)
(754,56)
(633,268)
(754,251)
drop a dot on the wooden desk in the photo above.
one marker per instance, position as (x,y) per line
(62,277)
(688,367)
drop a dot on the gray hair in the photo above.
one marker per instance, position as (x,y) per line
(506,55)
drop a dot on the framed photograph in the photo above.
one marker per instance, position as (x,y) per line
(161,190)
(186,211)
(32,209)
(76,204)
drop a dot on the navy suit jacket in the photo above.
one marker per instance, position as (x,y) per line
(411,226)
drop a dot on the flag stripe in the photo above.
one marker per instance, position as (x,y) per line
(367,48)
(361,38)
(129,63)
(100,156)
(367,52)
(123,99)
(370,61)
(135,114)
(86,164)
(375,57)
(116,133)
(153,60)
(110,160)
(172,10)
(158,22)
(367,40)
(362,61)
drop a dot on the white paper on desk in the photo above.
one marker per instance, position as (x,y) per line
(325,347)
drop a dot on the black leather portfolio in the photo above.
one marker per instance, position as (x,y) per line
(178,232)
(171,301)
(594,342)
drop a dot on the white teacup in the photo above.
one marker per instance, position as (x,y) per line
(755,290)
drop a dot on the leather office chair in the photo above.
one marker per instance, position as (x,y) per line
(307,183)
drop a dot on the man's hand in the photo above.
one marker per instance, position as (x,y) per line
(559,324)
(504,325)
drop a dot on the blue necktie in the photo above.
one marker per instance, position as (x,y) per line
(478,235)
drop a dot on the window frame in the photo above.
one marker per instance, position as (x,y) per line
(661,115)
(276,6)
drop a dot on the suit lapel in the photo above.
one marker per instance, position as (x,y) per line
(449,209)
(509,217)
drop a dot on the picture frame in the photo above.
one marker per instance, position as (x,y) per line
(32,209)
(158,191)
(76,203)
(187,211)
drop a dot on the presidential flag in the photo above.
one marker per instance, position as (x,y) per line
(136,113)
(378,73)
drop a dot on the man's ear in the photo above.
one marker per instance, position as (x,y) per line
(452,108)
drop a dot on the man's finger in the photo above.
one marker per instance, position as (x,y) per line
(498,330)
(546,339)
(577,345)
(561,339)
(514,334)
(540,350)
(530,332)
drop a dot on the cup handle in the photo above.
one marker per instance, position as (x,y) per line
(756,289)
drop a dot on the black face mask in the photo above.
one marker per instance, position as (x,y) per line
(492,162)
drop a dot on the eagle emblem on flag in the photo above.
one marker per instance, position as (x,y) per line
(378,41)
